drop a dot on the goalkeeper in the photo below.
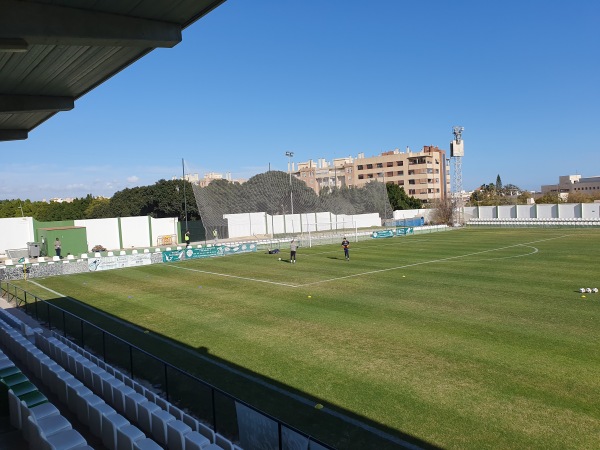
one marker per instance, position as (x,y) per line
(346,245)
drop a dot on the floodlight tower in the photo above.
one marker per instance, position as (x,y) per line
(457,151)
(290,155)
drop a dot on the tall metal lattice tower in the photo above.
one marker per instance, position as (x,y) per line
(457,151)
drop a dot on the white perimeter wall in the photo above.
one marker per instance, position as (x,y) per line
(544,211)
(569,210)
(547,211)
(526,211)
(103,232)
(411,213)
(248,224)
(15,232)
(590,210)
(163,227)
(135,231)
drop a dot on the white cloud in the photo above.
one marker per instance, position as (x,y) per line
(133,179)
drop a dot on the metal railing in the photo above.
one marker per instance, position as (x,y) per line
(208,403)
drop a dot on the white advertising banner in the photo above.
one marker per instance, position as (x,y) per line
(118,262)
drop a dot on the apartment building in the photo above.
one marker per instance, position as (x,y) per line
(573,183)
(424,175)
(209,177)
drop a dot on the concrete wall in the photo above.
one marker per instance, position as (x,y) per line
(590,210)
(544,211)
(526,211)
(135,232)
(569,210)
(103,232)
(244,225)
(163,227)
(15,233)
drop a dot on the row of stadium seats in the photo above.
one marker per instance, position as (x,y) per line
(39,421)
(535,221)
(112,406)
(166,423)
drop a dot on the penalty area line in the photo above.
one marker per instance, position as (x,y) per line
(524,244)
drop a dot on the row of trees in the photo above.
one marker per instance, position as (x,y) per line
(498,194)
(163,199)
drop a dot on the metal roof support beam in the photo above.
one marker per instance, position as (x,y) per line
(13,135)
(48,24)
(13,46)
(35,103)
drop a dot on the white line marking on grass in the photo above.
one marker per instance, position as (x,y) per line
(232,276)
(535,250)
(427,262)
(47,288)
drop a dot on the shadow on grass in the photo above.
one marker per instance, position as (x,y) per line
(333,425)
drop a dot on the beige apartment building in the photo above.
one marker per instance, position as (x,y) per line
(424,175)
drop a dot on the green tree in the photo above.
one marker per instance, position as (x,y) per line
(549,198)
(498,184)
(399,199)
(580,197)
(99,208)
(167,199)
(131,202)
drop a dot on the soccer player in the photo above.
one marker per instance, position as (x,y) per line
(346,244)
(293,248)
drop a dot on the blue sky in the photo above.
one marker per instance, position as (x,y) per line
(332,78)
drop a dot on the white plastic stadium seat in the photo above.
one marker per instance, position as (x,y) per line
(127,436)
(176,432)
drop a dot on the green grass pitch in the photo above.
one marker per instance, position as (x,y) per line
(470,339)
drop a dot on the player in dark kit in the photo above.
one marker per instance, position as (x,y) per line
(346,244)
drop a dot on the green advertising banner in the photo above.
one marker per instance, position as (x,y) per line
(382,234)
(207,252)
(403,231)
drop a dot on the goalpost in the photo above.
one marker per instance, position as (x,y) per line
(329,233)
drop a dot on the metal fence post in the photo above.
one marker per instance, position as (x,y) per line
(166,381)
(214,409)
(131,361)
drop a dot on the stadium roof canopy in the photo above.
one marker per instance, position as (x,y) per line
(52,52)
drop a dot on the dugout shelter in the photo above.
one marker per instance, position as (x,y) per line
(52,52)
